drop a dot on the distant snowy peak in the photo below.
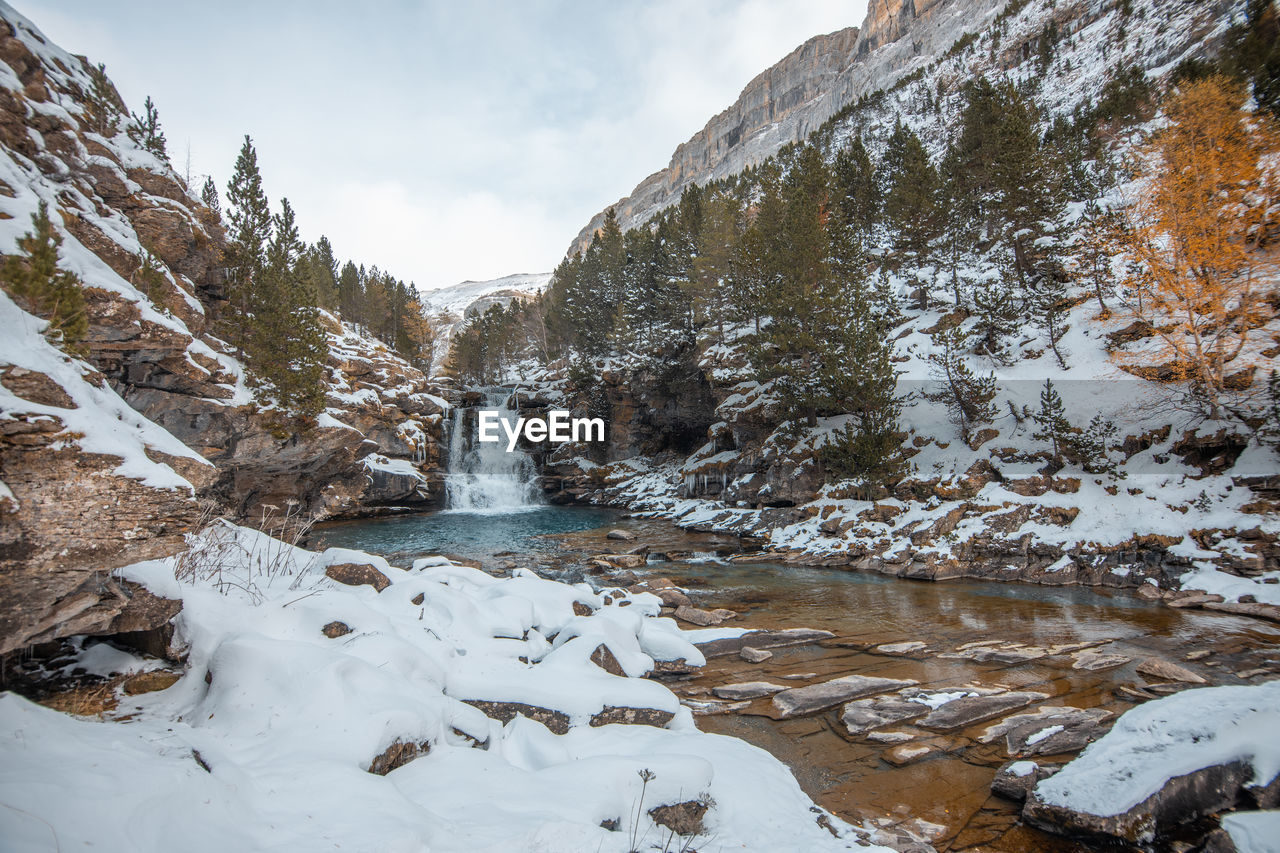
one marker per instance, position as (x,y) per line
(463,299)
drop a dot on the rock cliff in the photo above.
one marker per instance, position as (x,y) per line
(793,98)
(109,456)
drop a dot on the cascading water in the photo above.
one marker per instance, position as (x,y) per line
(482,475)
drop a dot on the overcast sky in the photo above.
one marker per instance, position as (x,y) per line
(440,140)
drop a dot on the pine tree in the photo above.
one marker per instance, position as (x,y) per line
(145,131)
(288,346)
(1052,420)
(1093,254)
(38,286)
(249,229)
(857,195)
(911,205)
(1049,303)
(102,103)
(209,195)
(968,396)
(150,280)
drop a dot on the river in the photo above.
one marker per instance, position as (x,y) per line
(943,796)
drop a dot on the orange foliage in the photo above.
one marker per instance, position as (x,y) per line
(1199,235)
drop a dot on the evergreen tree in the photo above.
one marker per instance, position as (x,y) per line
(103,106)
(1094,253)
(145,131)
(911,205)
(1052,421)
(856,191)
(1050,305)
(249,229)
(288,345)
(38,286)
(209,195)
(967,396)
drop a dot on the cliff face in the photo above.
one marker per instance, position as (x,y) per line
(109,457)
(794,97)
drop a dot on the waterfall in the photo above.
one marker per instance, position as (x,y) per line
(483,476)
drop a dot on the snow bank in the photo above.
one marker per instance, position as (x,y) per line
(289,719)
(1171,737)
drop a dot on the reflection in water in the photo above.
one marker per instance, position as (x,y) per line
(468,534)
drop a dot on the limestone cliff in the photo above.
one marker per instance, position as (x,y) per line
(793,98)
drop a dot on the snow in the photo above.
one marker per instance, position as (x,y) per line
(937,700)
(1232,587)
(397,467)
(1254,832)
(1170,737)
(1047,732)
(290,719)
(1022,768)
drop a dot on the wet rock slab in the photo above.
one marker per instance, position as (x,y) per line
(864,715)
(975,709)
(747,690)
(1168,671)
(1050,730)
(762,640)
(799,701)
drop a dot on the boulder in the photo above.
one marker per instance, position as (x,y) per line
(336,629)
(1182,799)
(1015,779)
(1091,660)
(505,712)
(911,648)
(398,754)
(712,708)
(621,535)
(753,655)
(747,690)
(908,753)
(696,616)
(632,717)
(358,574)
(604,658)
(812,698)
(684,819)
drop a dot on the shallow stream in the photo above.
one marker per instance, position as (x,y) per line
(944,796)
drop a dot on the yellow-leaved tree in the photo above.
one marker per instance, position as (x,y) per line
(1198,239)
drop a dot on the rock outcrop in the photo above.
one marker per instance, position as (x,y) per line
(110,456)
(791,99)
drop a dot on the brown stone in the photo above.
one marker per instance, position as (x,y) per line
(580,609)
(1169,671)
(357,574)
(683,819)
(336,629)
(150,682)
(604,658)
(398,754)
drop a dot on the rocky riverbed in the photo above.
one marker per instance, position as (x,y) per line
(941,702)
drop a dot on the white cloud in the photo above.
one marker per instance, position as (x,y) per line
(439,140)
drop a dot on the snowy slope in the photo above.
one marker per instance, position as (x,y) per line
(267,740)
